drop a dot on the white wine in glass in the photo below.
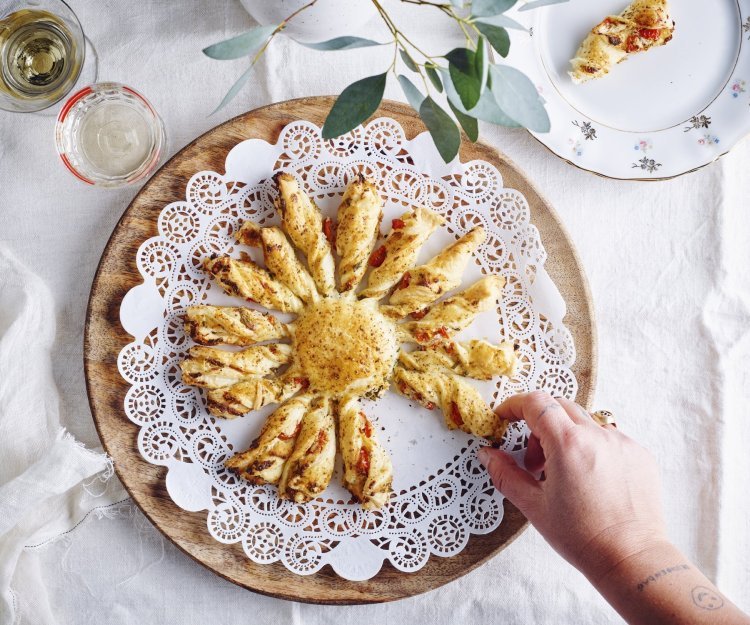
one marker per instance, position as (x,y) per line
(42,50)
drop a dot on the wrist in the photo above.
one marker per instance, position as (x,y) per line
(620,545)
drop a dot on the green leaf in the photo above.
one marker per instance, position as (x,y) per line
(408,61)
(539,3)
(462,58)
(459,4)
(518,98)
(497,36)
(341,43)
(483,8)
(235,89)
(486,109)
(413,95)
(443,129)
(241,45)
(434,78)
(468,123)
(463,73)
(355,104)
(502,20)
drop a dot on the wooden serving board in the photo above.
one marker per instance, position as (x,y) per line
(105,337)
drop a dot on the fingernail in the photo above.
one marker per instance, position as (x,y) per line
(484,456)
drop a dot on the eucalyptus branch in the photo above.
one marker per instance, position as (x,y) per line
(460,74)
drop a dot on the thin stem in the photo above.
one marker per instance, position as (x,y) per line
(466,33)
(461,21)
(260,52)
(395,53)
(429,4)
(296,13)
(395,30)
(281,27)
(425,83)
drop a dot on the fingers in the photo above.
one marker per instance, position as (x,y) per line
(534,458)
(511,480)
(544,415)
(577,414)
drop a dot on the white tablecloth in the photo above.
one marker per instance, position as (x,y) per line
(668,266)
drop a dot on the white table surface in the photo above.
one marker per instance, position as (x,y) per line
(668,267)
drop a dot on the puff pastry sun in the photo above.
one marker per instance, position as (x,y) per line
(343,345)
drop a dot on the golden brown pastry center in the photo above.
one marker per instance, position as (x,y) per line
(346,347)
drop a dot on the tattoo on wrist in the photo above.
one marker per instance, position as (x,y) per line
(706,599)
(655,577)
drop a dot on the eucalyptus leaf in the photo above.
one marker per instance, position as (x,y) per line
(355,104)
(502,20)
(463,73)
(483,8)
(539,3)
(486,109)
(434,78)
(468,123)
(341,43)
(481,63)
(408,61)
(235,89)
(518,98)
(413,95)
(443,129)
(241,45)
(459,4)
(497,36)
(462,58)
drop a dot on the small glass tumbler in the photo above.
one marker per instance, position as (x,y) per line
(109,135)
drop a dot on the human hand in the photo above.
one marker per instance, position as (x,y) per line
(599,502)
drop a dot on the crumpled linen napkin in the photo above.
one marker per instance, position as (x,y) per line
(44,471)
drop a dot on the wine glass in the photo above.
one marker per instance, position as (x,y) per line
(42,54)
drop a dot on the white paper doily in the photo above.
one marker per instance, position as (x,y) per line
(441,493)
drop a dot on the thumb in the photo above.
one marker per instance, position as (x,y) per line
(518,485)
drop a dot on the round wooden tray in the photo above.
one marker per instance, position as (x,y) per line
(105,337)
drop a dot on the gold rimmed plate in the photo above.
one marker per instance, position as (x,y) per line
(659,114)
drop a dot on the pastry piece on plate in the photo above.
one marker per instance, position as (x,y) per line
(643,25)
(368,472)
(309,468)
(423,285)
(280,259)
(400,250)
(230,325)
(264,460)
(359,218)
(462,405)
(455,313)
(476,359)
(244,278)
(302,221)
(209,367)
(254,393)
